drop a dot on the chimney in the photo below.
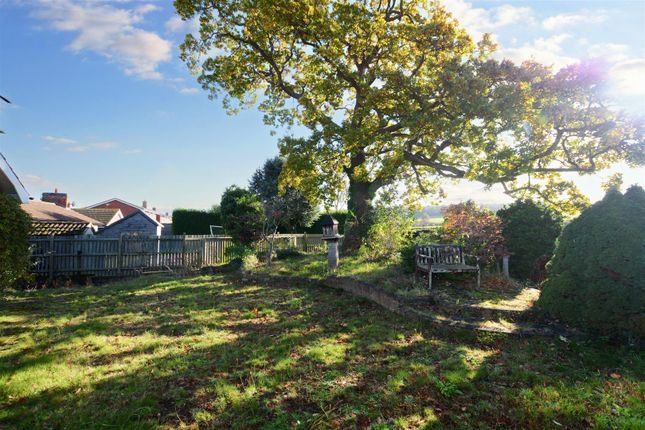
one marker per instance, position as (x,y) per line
(59,199)
(144,204)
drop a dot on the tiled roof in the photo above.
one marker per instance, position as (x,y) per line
(49,212)
(57,228)
(102,215)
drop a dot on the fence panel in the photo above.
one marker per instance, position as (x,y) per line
(129,254)
(302,242)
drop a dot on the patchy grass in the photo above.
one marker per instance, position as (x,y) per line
(495,292)
(314,266)
(210,352)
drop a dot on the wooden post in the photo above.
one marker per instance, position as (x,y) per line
(183,252)
(505,265)
(51,258)
(119,258)
(304,242)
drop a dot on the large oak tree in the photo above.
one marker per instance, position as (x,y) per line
(395,92)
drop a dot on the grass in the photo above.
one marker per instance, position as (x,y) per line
(494,293)
(314,266)
(213,352)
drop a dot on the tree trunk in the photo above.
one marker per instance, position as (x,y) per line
(358,223)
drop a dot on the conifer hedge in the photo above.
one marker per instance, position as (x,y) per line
(530,231)
(597,275)
(15,225)
(316,226)
(194,221)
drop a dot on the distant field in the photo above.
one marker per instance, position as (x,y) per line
(429,221)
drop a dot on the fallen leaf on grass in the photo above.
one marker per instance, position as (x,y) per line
(615,375)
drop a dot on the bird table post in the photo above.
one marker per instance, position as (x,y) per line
(331,236)
(502,253)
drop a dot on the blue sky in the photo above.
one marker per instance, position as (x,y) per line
(103,107)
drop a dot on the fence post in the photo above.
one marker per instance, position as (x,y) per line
(79,252)
(51,258)
(202,251)
(119,259)
(183,252)
(304,242)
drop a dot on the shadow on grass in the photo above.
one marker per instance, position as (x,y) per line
(208,352)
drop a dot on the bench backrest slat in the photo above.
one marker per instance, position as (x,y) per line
(440,254)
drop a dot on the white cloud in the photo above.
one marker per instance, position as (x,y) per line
(508,15)
(547,51)
(566,20)
(188,91)
(59,140)
(35,181)
(100,146)
(71,145)
(478,20)
(133,151)
(103,145)
(610,52)
(111,32)
(627,78)
(178,25)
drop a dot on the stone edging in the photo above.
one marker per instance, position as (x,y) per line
(395,303)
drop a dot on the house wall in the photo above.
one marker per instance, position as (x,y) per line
(139,224)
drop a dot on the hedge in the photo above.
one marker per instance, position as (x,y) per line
(530,231)
(194,221)
(15,225)
(597,275)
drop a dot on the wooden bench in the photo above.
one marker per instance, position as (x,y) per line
(443,259)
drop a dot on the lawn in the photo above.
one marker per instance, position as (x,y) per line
(216,352)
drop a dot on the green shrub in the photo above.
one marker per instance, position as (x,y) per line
(242,215)
(530,231)
(15,225)
(390,229)
(286,253)
(416,238)
(194,221)
(597,275)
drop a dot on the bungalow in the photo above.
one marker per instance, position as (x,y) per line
(128,208)
(136,223)
(51,219)
(106,216)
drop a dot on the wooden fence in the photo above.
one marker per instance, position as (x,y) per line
(130,255)
(302,242)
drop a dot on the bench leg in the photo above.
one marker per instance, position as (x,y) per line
(429,279)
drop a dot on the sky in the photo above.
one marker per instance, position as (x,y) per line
(103,107)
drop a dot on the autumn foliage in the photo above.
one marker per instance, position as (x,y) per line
(475,228)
